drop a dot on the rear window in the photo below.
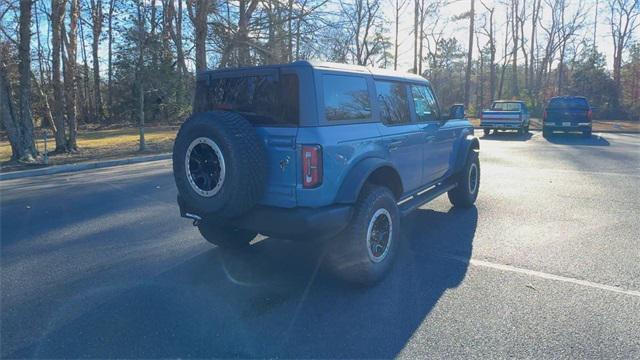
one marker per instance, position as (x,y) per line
(345,98)
(569,103)
(262,100)
(506,106)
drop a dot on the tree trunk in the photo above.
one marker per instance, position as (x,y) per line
(8,115)
(110,58)
(198,12)
(415,35)
(467,75)
(57,15)
(71,97)
(24,54)
(96,15)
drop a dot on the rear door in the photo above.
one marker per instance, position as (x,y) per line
(403,138)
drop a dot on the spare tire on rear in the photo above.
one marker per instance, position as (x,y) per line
(219,164)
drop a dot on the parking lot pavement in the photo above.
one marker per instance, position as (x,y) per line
(98,264)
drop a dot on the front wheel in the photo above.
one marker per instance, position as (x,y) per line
(363,253)
(227,237)
(465,194)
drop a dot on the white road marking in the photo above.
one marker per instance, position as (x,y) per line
(542,275)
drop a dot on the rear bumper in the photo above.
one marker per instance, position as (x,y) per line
(501,125)
(573,127)
(293,223)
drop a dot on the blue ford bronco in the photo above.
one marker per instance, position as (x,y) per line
(320,151)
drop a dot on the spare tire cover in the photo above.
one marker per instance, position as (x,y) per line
(219,164)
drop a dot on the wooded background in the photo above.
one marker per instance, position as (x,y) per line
(106,62)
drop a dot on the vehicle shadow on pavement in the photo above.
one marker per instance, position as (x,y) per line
(274,300)
(507,136)
(577,139)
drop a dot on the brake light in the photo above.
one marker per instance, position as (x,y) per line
(589,115)
(311,166)
(544,116)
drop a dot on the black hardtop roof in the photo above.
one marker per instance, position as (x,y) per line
(346,68)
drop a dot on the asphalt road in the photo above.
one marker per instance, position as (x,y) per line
(99,264)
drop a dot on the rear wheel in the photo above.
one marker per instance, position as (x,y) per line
(486,132)
(465,194)
(225,236)
(365,250)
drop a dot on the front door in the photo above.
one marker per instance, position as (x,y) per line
(437,144)
(403,139)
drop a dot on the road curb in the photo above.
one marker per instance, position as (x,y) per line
(59,169)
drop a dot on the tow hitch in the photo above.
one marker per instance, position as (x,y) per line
(196,219)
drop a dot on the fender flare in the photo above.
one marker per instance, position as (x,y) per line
(469,143)
(358,175)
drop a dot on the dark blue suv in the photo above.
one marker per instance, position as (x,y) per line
(320,151)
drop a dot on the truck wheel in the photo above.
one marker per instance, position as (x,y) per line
(363,253)
(486,132)
(219,164)
(226,237)
(466,193)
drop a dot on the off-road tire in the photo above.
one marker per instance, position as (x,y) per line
(244,160)
(226,237)
(465,194)
(348,255)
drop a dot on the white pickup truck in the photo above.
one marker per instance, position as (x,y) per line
(505,115)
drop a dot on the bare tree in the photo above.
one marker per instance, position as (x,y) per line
(71,98)
(362,21)
(489,32)
(57,16)
(623,21)
(398,6)
(112,6)
(97,19)
(24,54)
(467,76)
(198,13)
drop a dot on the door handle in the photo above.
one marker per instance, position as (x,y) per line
(396,141)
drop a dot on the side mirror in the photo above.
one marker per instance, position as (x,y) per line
(456,111)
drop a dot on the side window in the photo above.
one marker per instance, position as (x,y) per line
(346,98)
(425,103)
(394,106)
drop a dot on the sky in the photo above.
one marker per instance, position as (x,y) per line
(459,29)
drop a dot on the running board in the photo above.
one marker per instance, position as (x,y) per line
(415,201)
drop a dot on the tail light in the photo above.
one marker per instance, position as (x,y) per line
(544,116)
(589,115)
(311,166)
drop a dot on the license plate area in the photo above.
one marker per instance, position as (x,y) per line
(566,124)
